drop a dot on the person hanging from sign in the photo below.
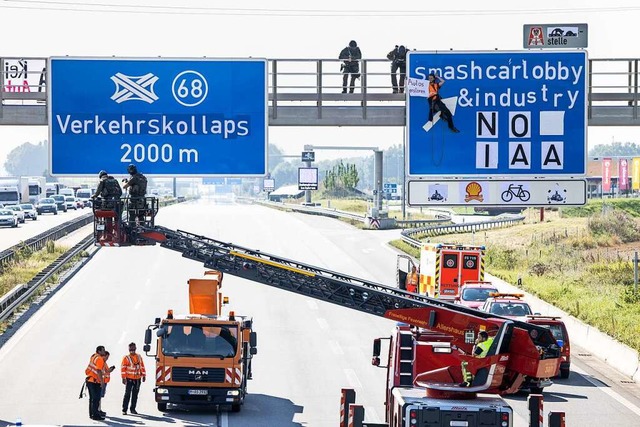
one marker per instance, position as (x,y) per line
(436,104)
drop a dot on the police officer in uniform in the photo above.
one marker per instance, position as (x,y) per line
(137,186)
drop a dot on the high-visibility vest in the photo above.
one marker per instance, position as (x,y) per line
(96,363)
(433,89)
(485,347)
(106,373)
(412,282)
(133,367)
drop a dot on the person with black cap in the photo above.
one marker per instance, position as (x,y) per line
(137,186)
(351,65)
(108,188)
(109,193)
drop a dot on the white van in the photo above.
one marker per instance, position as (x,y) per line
(66,192)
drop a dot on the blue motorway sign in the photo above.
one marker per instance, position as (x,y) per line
(499,113)
(389,188)
(186,117)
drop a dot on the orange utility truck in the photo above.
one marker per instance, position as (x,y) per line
(204,357)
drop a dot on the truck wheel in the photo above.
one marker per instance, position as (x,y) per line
(236,407)
(564,373)
(162,407)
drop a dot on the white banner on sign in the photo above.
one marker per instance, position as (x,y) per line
(418,87)
(498,192)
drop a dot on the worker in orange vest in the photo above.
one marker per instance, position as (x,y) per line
(95,382)
(436,104)
(132,370)
(413,279)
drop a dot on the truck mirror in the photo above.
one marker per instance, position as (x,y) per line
(253,339)
(147,338)
(247,324)
(146,348)
(376,349)
(375,361)
(157,322)
(253,350)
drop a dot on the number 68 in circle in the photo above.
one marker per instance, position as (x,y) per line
(189,88)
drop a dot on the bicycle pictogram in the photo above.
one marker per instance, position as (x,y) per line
(515,191)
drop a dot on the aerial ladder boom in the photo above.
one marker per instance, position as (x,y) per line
(520,349)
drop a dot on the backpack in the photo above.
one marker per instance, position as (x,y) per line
(111,188)
(139,189)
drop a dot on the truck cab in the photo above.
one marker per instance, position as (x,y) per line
(204,357)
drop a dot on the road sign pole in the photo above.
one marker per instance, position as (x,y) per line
(307,193)
(377,166)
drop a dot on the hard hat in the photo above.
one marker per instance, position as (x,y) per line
(132,169)
(102,173)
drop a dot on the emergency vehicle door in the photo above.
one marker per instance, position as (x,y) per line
(470,266)
(450,273)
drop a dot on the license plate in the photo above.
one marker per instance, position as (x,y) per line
(197,392)
(100,227)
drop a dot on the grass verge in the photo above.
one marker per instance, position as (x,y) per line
(25,266)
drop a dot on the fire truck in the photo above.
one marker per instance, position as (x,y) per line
(430,350)
(444,268)
(204,357)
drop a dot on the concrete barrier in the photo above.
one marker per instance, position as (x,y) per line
(617,355)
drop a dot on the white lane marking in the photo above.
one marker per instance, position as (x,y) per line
(607,390)
(137,306)
(335,347)
(312,304)
(323,323)
(224,420)
(366,250)
(121,340)
(352,378)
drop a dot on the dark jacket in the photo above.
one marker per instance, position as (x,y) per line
(108,188)
(351,55)
(137,185)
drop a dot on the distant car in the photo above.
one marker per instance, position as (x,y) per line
(508,305)
(559,331)
(18,212)
(70,201)
(47,205)
(30,211)
(79,204)
(60,202)
(8,218)
(474,294)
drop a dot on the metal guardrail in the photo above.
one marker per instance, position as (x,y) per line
(408,236)
(38,242)
(21,293)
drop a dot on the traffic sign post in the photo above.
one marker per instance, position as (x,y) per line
(519,113)
(171,117)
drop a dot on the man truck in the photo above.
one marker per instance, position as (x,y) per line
(204,357)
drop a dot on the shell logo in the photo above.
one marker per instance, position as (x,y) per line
(474,192)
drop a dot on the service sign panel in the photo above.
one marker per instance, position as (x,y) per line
(515,113)
(171,117)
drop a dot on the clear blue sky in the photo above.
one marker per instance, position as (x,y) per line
(295,29)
